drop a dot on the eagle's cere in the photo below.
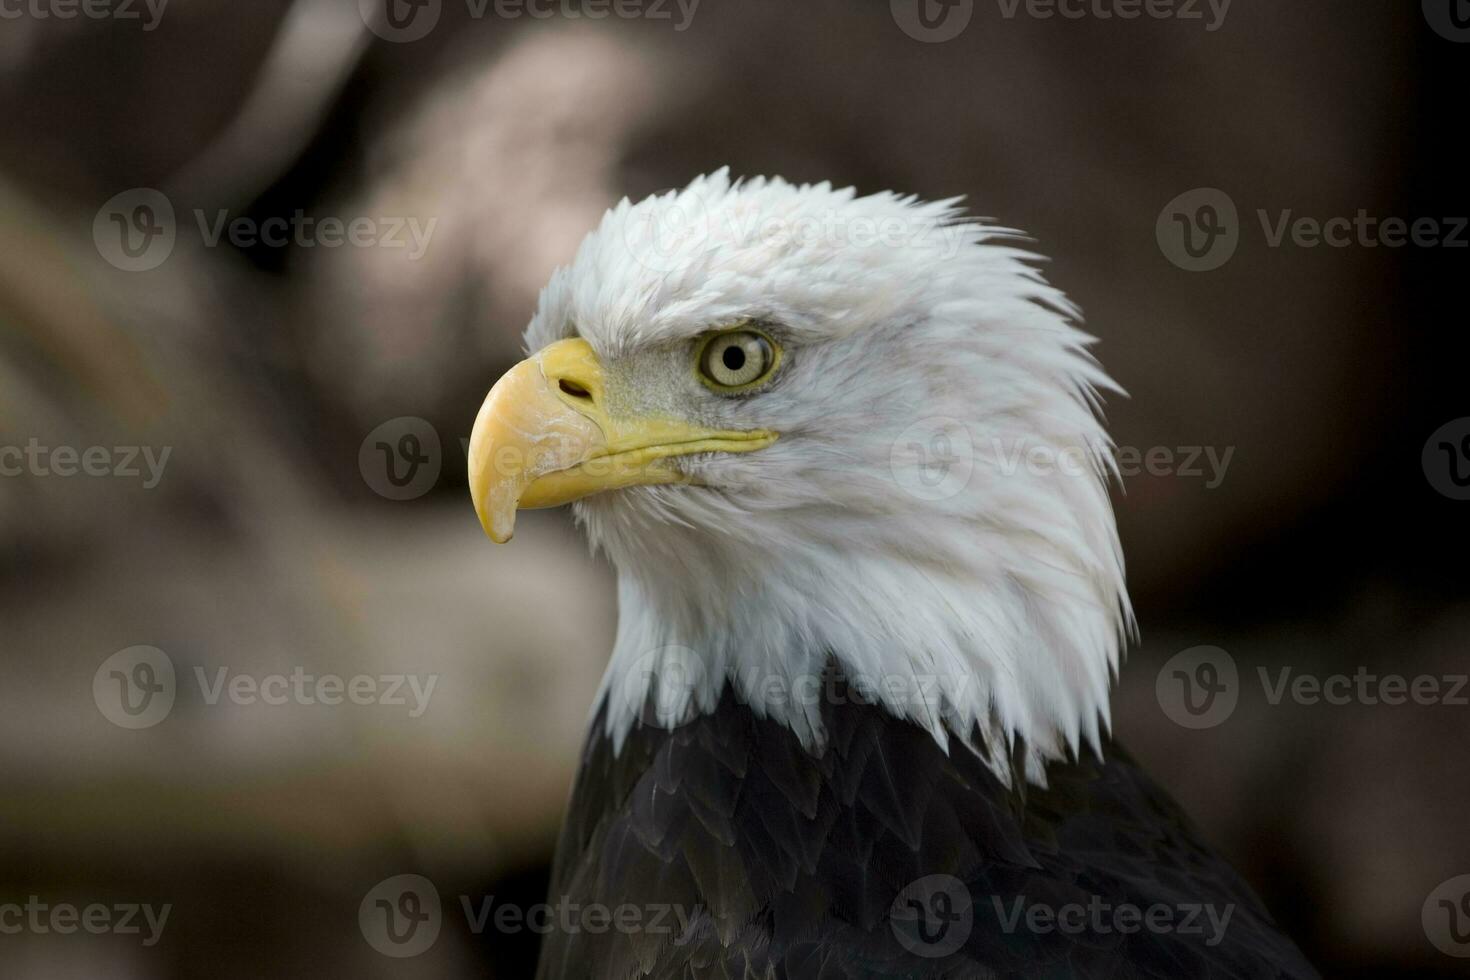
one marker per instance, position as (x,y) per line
(830,443)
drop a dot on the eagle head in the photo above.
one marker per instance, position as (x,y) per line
(810,427)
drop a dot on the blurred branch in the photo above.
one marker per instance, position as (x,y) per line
(316,50)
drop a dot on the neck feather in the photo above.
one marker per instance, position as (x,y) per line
(1008,644)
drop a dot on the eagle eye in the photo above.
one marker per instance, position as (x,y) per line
(737,360)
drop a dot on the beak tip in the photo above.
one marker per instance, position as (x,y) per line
(498,528)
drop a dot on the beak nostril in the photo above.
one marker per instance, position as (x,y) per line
(573,389)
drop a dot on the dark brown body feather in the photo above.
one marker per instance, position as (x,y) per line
(743,855)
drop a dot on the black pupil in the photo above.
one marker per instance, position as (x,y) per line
(733,357)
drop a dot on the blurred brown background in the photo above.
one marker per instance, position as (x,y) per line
(270,544)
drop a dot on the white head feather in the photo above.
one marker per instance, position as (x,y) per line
(935,515)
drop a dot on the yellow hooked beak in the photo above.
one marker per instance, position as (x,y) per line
(544,437)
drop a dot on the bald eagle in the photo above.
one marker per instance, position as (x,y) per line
(845,454)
